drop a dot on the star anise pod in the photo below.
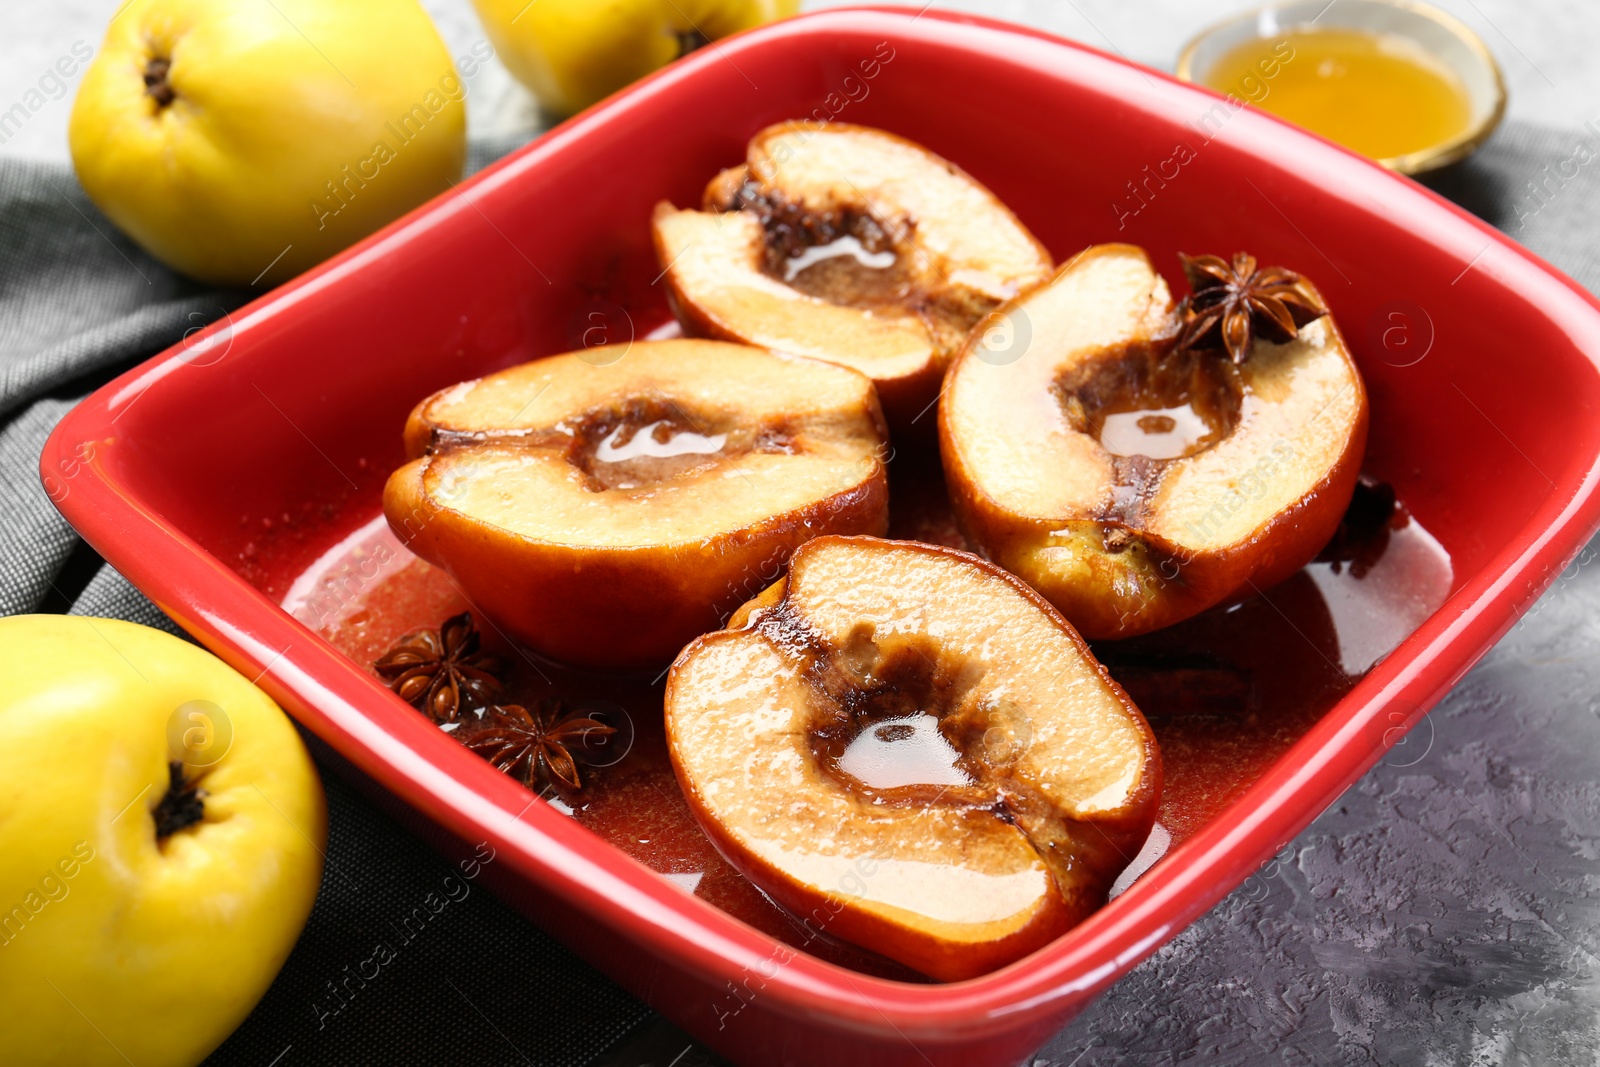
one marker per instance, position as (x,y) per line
(532,746)
(441,671)
(1233,304)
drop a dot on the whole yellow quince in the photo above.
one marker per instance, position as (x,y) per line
(572,53)
(245,142)
(161,837)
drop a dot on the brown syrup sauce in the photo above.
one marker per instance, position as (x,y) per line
(1227,693)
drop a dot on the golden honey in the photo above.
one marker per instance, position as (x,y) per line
(1379,94)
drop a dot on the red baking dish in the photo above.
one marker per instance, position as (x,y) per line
(1483,418)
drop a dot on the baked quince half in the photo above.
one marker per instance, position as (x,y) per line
(909,749)
(851,245)
(1138,463)
(605,515)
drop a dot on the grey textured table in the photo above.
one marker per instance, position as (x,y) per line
(1445,910)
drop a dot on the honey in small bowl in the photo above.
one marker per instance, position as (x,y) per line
(1379,94)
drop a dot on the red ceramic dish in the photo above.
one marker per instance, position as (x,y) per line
(294,409)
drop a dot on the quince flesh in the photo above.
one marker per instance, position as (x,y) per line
(851,245)
(606,514)
(1122,541)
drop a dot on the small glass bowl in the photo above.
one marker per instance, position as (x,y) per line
(1441,35)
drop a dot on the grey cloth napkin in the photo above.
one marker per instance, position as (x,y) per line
(79,302)
(477,984)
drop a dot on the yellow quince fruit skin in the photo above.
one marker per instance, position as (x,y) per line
(572,53)
(293,129)
(117,947)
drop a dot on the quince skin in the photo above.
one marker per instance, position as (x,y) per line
(161,837)
(241,143)
(572,53)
